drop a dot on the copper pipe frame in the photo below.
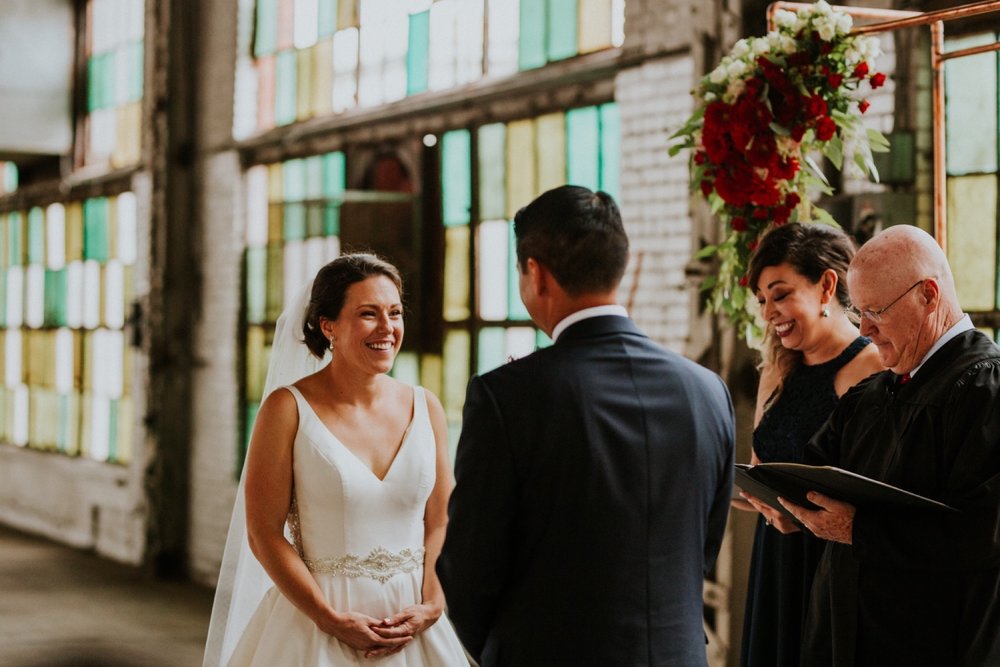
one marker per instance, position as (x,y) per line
(897,19)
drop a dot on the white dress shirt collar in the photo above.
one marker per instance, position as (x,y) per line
(587,313)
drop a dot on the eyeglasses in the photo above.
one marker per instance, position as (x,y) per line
(876,315)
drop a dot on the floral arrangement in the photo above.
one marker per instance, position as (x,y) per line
(762,116)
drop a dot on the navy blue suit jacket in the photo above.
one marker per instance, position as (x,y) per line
(593,487)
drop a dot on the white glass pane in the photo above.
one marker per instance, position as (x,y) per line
(294,270)
(127,228)
(406,368)
(469,41)
(55,236)
(245,99)
(100,418)
(135,25)
(306,23)
(34,313)
(503,23)
(13,356)
(122,88)
(257,206)
(112,345)
(520,342)
(396,35)
(493,246)
(345,69)
(64,361)
(315,256)
(91,294)
(15,297)
(74,295)
(441,65)
(19,432)
(114,294)
(332,247)
(103,132)
(372,52)
(101,28)
(617,22)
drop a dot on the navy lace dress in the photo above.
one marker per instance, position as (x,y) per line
(781,571)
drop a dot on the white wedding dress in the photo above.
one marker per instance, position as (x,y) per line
(362,538)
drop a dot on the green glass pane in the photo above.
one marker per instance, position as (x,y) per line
(334,174)
(456,177)
(113,431)
(294,228)
(3,305)
(490,354)
(531,43)
(256,284)
(542,340)
(15,239)
(418,52)
(95,229)
(10,177)
(326,17)
(562,24)
(457,274)
(331,219)
(972,246)
(456,372)
(93,83)
(305,61)
(971,99)
(611,134)
(285,97)
(36,236)
(275,281)
(314,220)
(250,417)
(583,147)
(56,289)
(135,78)
(492,182)
(314,177)
(265,27)
(515,306)
(294,180)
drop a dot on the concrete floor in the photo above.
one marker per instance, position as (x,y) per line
(60,607)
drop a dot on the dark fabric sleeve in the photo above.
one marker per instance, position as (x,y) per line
(474,563)
(970,470)
(719,513)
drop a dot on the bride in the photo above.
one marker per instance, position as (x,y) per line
(344,495)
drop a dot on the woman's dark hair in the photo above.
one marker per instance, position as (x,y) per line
(810,249)
(329,291)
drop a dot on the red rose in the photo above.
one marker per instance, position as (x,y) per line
(877,80)
(699,157)
(786,169)
(797,132)
(744,280)
(781,215)
(739,223)
(754,86)
(764,192)
(815,106)
(760,214)
(860,70)
(825,128)
(762,151)
(825,48)
(792,200)
(753,244)
(733,185)
(835,80)
(863,105)
(706,187)
(799,58)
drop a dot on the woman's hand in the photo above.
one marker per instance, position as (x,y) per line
(409,622)
(358,631)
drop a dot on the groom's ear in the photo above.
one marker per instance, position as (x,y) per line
(538,276)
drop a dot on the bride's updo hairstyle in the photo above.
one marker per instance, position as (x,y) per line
(330,290)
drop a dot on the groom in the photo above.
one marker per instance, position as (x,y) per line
(593,476)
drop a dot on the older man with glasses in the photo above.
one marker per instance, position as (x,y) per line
(910,586)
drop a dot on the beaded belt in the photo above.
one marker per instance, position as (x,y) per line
(380,564)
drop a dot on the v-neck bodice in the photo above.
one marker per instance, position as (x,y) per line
(343,508)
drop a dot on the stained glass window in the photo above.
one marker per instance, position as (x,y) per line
(66,277)
(8,177)
(972,154)
(114,47)
(312,57)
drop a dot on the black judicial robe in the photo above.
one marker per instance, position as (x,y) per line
(917,587)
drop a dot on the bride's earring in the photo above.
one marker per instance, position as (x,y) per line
(825,313)
(333,339)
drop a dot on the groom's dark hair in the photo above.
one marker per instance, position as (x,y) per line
(578,235)
(329,292)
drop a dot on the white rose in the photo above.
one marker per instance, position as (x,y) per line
(784,18)
(736,69)
(844,23)
(718,74)
(740,49)
(822,7)
(761,46)
(826,30)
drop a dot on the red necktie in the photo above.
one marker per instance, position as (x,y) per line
(904,378)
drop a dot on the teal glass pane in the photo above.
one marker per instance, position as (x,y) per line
(491,349)
(3,298)
(418,52)
(531,41)
(265,28)
(95,229)
(256,259)
(334,174)
(314,177)
(134,55)
(36,236)
(456,177)
(611,134)
(561,34)
(314,220)
(10,176)
(515,306)
(331,219)
(971,113)
(113,430)
(326,17)
(250,417)
(285,75)
(541,340)
(491,146)
(294,223)
(15,239)
(293,183)
(93,83)
(583,166)
(56,288)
